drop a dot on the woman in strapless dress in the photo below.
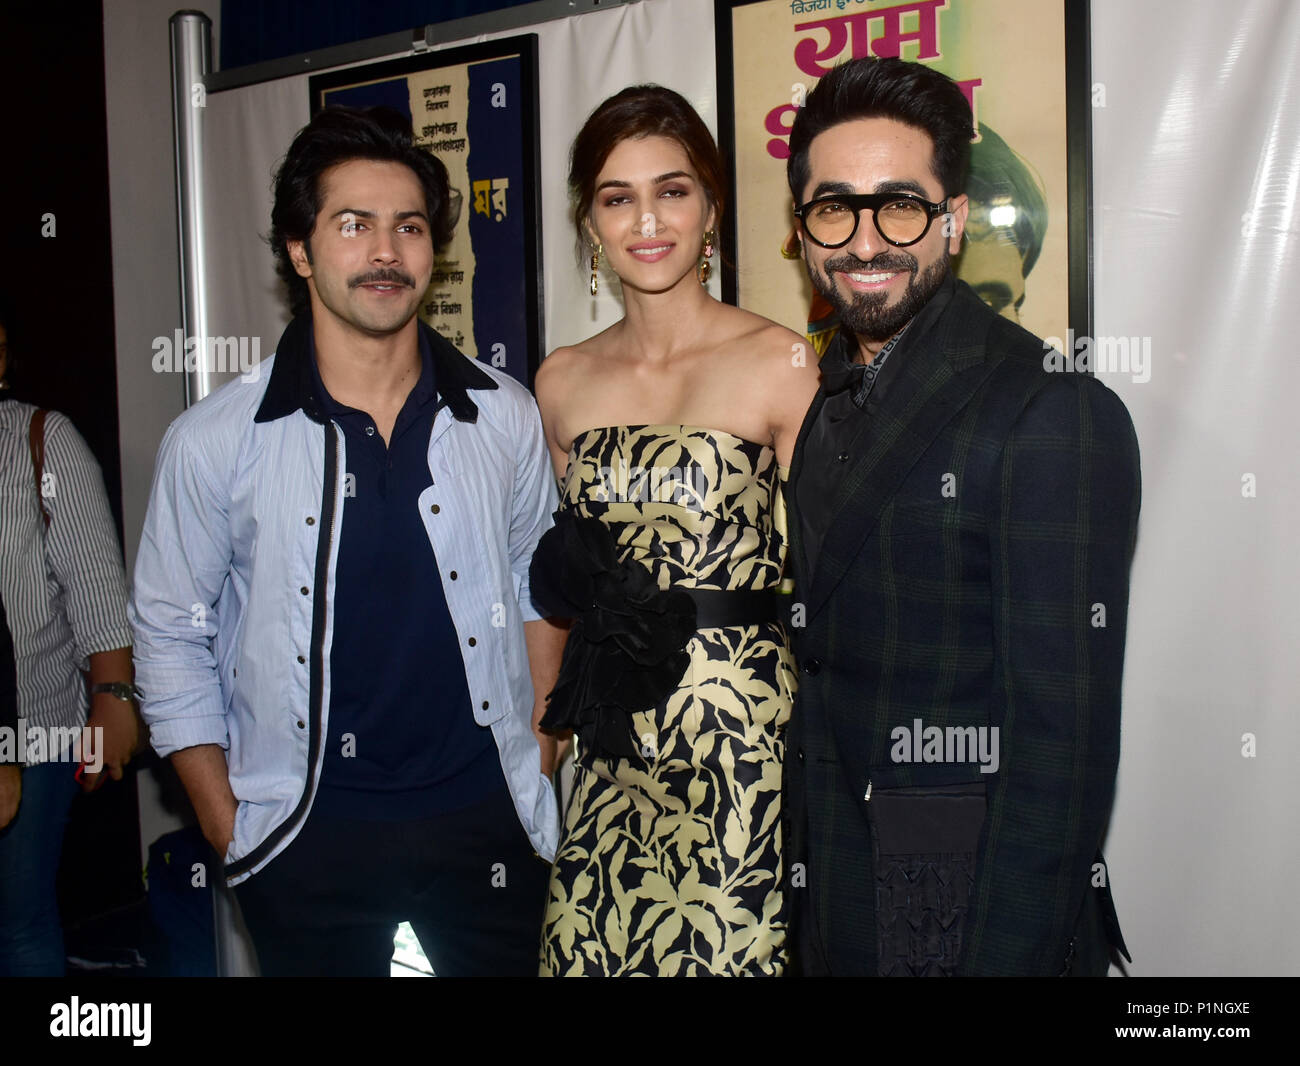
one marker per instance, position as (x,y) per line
(670,431)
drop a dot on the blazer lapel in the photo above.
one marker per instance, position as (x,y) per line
(936,381)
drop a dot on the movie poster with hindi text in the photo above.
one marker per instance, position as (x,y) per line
(1022,251)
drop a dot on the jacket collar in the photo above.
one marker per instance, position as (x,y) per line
(936,379)
(292,386)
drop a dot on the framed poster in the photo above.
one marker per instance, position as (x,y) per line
(1023,65)
(476,109)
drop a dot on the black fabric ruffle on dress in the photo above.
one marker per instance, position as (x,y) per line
(626,649)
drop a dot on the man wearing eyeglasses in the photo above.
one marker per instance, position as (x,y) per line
(963,522)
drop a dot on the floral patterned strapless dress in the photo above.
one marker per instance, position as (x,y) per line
(670,860)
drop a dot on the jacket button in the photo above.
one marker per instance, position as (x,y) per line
(800,755)
(811,666)
(843,457)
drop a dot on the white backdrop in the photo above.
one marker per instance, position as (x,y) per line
(1196,172)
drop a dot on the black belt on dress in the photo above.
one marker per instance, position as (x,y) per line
(626,650)
(738,607)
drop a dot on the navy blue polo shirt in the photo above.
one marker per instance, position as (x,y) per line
(402,741)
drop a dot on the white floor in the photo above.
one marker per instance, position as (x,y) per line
(408,958)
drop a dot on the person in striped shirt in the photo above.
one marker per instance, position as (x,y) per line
(64,592)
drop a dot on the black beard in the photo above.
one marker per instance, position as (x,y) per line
(865,313)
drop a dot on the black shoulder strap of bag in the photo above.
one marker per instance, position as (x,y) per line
(36,442)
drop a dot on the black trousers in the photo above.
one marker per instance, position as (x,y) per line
(469,883)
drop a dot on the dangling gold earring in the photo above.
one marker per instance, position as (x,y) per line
(595,265)
(705,269)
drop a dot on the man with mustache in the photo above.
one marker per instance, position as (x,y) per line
(334,628)
(963,525)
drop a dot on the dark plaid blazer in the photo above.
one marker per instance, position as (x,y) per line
(1000,603)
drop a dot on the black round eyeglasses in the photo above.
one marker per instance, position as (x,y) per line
(901,218)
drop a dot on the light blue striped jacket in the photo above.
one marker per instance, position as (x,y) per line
(234,580)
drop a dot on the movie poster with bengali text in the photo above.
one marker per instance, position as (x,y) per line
(475,109)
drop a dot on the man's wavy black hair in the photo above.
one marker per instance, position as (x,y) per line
(911,93)
(337,135)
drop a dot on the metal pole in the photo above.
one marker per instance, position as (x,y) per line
(191,55)
(191,59)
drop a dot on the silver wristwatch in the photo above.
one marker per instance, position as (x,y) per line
(124,692)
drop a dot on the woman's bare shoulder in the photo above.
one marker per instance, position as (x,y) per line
(768,344)
(565,377)
(562,363)
(576,358)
